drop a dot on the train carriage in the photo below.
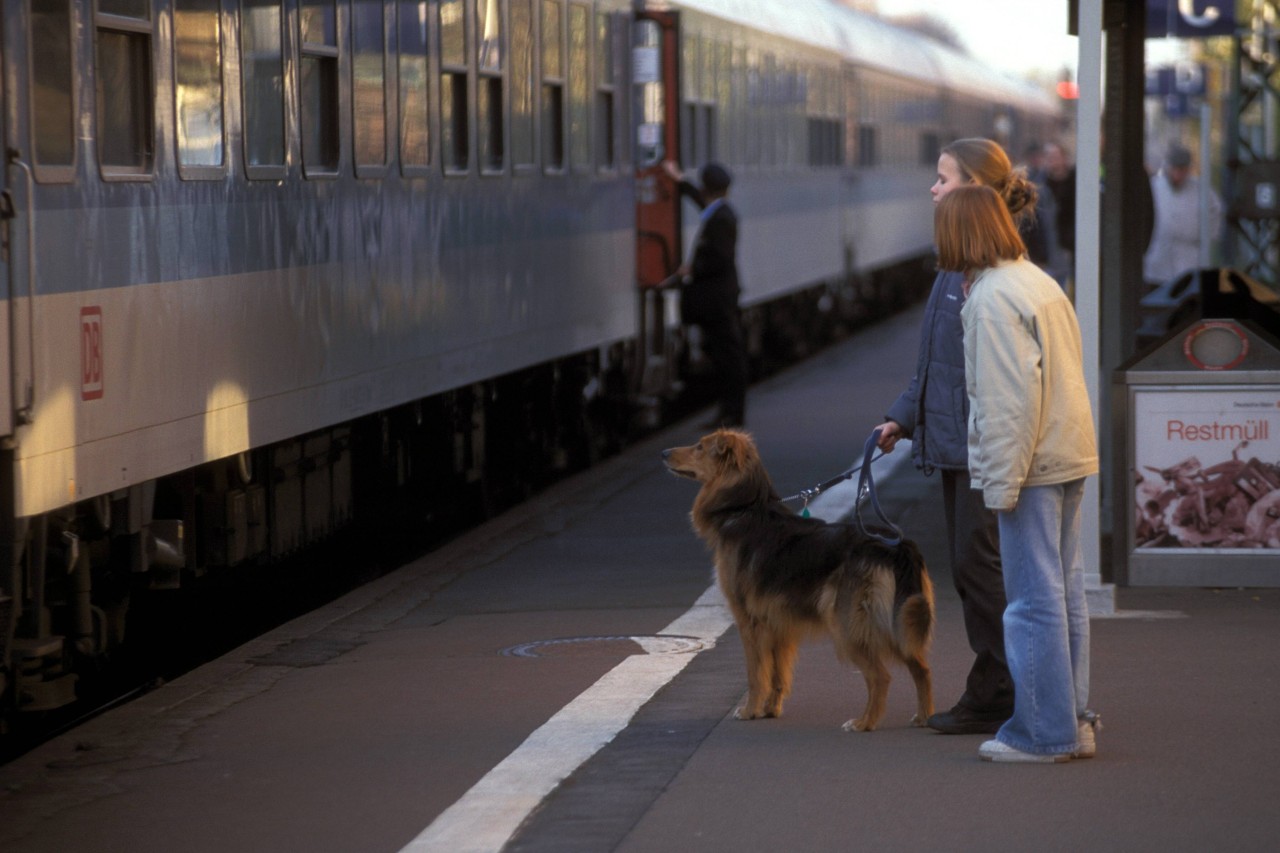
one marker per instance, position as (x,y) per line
(270,264)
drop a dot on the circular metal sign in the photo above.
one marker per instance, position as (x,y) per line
(1215,345)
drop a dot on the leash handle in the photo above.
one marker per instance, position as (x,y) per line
(867,486)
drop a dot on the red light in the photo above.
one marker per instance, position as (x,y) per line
(1068,90)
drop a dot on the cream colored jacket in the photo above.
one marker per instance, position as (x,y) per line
(1030,422)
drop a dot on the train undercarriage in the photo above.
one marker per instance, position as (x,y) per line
(427,469)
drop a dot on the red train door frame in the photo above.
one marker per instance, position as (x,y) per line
(658,139)
(656,77)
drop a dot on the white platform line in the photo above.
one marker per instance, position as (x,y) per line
(490,813)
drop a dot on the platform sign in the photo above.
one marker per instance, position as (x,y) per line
(1207,468)
(1189,19)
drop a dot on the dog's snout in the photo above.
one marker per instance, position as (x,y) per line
(666,454)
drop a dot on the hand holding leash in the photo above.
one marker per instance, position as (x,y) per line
(866,488)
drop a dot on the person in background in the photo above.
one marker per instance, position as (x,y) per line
(1040,233)
(1031,444)
(933,411)
(710,289)
(1175,241)
(1060,178)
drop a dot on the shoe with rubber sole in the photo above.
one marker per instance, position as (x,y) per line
(961,720)
(994,750)
(1087,729)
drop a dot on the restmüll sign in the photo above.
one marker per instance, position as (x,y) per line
(1201,483)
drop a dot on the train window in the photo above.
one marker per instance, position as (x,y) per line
(689,70)
(751,113)
(369,87)
(140,9)
(736,114)
(489,107)
(792,85)
(126,126)
(724,99)
(606,151)
(455,128)
(579,85)
(553,113)
(318,88)
(197,73)
(825,128)
(707,55)
(930,149)
(868,155)
(849,127)
(415,128)
(707,96)
(523,84)
(769,112)
(53,140)
(698,118)
(262,76)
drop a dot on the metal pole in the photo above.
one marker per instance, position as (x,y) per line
(1088,215)
(1206,118)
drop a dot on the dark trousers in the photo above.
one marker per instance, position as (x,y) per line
(974,537)
(725,346)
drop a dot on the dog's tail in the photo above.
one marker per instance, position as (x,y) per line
(912,599)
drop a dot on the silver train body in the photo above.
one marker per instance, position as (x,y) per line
(263,261)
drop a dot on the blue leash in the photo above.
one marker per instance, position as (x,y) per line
(866,487)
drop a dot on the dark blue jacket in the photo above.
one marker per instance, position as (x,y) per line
(710,296)
(934,410)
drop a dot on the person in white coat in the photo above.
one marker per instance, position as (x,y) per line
(1175,241)
(1031,444)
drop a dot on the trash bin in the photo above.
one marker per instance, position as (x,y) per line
(1200,475)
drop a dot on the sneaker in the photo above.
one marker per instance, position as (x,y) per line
(961,720)
(994,750)
(1087,735)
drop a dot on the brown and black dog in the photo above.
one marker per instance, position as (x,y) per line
(786,577)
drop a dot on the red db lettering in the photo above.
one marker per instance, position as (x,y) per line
(91,363)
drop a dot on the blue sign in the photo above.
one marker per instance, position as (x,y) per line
(1190,19)
(1183,78)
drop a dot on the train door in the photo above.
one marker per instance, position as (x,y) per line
(656,80)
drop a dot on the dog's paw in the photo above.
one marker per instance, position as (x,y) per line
(918,721)
(744,713)
(857,726)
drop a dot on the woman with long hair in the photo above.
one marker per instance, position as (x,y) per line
(933,411)
(1031,443)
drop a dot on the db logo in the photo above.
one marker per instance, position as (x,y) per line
(90,353)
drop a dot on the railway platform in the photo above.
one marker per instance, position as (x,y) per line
(561,679)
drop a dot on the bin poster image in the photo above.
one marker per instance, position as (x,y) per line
(1207,468)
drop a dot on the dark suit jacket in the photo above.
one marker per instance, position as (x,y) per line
(710,296)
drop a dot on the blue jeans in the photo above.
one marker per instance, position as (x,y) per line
(1046,623)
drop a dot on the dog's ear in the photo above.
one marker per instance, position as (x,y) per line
(717,444)
(737,448)
(724,447)
(736,452)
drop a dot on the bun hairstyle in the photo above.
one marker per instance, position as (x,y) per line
(974,231)
(985,162)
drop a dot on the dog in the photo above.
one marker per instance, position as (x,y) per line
(787,577)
